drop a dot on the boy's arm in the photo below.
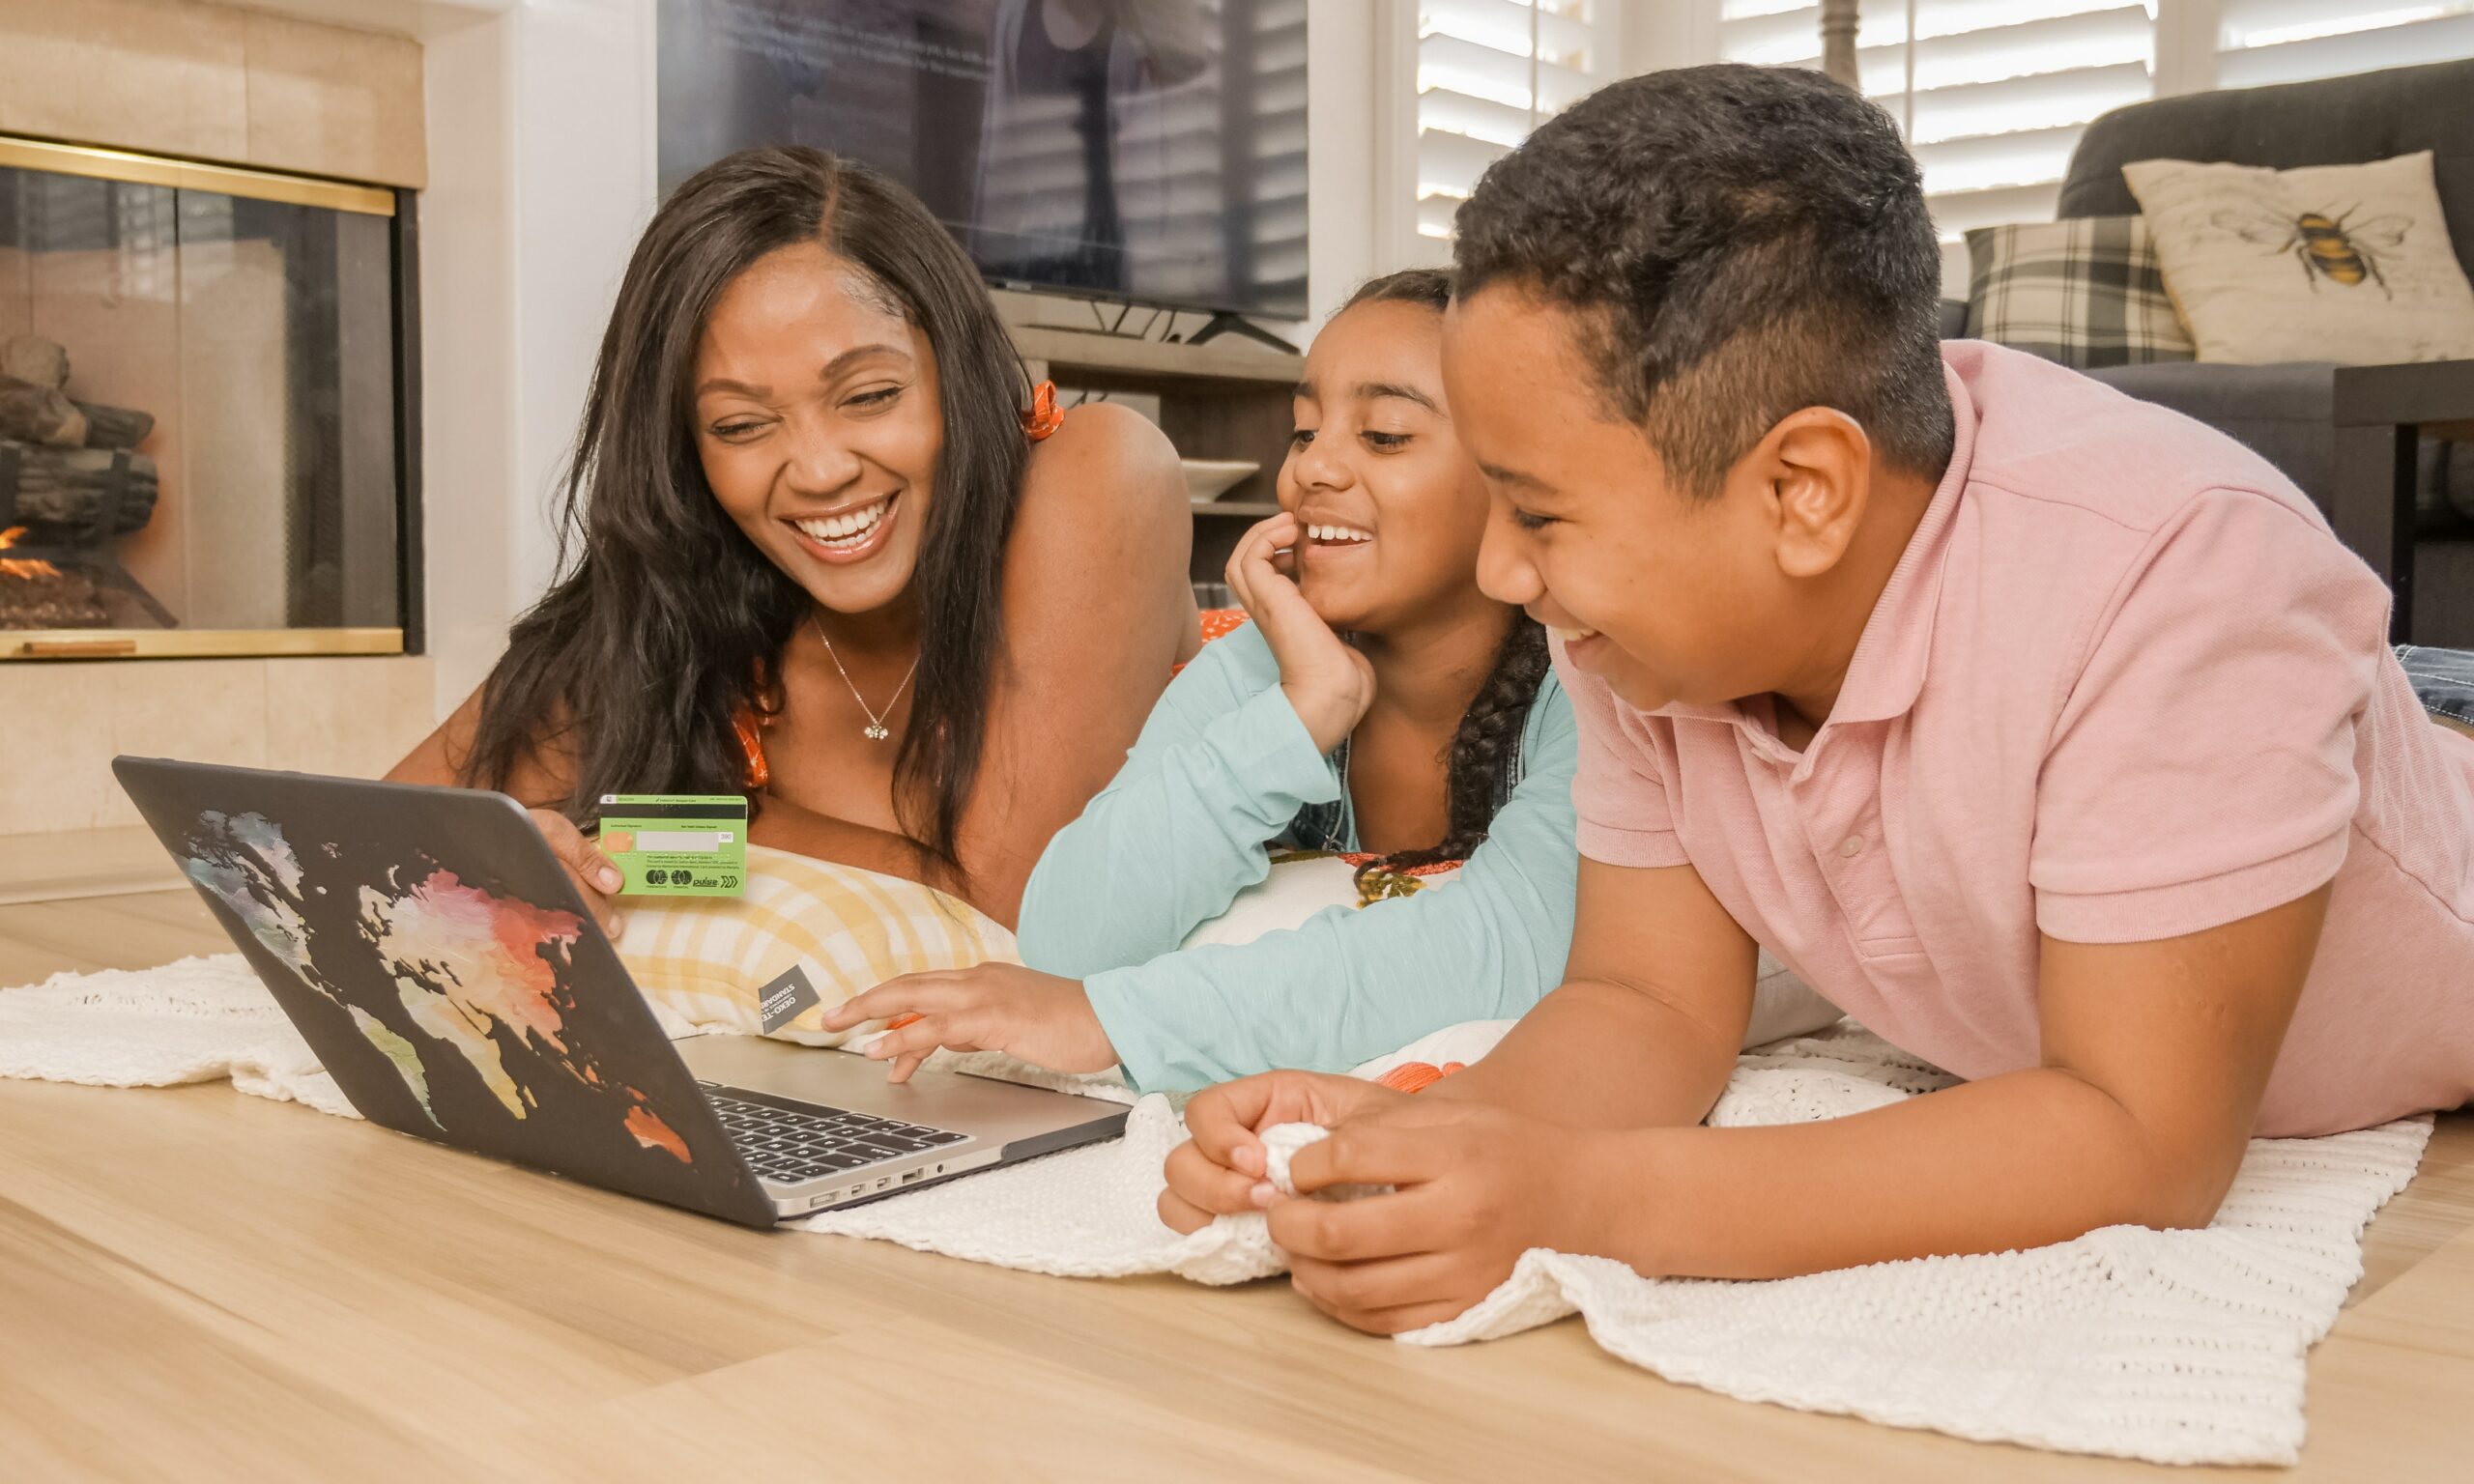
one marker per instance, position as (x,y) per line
(1645,1028)
(2156,1057)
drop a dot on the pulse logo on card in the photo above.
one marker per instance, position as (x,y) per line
(671,844)
(782,998)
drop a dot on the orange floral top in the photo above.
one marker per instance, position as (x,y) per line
(1039,423)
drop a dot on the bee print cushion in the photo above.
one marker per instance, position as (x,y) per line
(2343,263)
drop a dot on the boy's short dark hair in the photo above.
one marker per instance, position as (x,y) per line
(1750,241)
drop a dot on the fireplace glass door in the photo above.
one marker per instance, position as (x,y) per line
(198,411)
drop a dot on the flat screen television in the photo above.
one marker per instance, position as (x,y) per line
(1144,151)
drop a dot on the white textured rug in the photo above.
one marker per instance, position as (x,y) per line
(2173,1347)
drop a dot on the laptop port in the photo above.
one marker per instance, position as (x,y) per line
(913,1175)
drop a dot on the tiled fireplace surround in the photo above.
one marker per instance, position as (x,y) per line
(237,87)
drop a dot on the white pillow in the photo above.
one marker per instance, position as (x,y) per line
(1298,887)
(2343,263)
(703,959)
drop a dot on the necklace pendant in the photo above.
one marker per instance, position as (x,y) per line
(877,732)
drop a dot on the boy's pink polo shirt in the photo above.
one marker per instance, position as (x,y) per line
(2124,685)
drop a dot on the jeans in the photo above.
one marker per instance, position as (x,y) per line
(2443,679)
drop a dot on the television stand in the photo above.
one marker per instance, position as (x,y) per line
(1224,401)
(1226,323)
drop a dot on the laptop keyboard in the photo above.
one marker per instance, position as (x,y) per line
(806,1143)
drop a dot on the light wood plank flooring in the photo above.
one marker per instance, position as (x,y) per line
(197,1285)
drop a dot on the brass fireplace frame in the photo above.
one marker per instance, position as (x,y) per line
(65,157)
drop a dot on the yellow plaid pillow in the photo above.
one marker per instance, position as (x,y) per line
(706,958)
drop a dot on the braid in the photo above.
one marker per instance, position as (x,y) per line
(1481,749)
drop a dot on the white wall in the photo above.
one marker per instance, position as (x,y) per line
(541,176)
(1343,106)
(467,351)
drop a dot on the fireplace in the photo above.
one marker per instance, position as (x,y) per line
(206,436)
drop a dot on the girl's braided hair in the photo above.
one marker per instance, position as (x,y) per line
(1482,747)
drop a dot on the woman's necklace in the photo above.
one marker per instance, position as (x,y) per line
(877,730)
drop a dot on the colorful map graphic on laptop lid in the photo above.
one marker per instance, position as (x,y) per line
(437,961)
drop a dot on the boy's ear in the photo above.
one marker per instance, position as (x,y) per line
(1818,464)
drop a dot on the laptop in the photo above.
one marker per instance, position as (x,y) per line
(437,960)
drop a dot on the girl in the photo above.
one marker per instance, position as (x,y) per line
(1378,703)
(823,556)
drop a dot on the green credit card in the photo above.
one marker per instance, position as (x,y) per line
(676,845)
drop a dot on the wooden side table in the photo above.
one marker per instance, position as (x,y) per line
(2383,414)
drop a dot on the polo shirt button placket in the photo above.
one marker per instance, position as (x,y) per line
(1852,846)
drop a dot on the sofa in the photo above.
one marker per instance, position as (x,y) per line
(2286,413)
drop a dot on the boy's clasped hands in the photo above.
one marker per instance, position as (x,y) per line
(1474,1188)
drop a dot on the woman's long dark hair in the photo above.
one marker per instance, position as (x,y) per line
(664,615)
(1484,746)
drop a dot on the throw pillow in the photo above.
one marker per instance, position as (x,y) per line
(2344,263)
(705,958)
(2087,293)
(1303,885)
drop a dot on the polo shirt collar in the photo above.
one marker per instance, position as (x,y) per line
(1887,671)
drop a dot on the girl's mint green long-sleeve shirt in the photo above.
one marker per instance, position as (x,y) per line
(1222,767)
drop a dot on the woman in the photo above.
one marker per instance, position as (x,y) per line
(821,555)
(1432,732)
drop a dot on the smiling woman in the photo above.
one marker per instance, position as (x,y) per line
(826,546)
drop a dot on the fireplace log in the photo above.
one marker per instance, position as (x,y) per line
(63,600)
(66,488)
(34,361)
(38,414)
(114,427)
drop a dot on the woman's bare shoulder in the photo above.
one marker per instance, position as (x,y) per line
(1105,459)
(1103,534)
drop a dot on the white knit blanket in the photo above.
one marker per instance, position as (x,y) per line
(2173,1346)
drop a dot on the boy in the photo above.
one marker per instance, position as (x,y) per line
(2051,735)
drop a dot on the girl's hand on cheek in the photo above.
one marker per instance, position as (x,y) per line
(1475,1188)
(1329,684)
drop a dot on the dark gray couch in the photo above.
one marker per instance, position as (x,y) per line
(2285,411)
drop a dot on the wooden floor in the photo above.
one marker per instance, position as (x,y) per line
(198,1285)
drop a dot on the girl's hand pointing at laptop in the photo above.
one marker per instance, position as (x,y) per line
(1041,1018)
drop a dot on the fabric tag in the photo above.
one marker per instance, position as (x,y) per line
(782,998)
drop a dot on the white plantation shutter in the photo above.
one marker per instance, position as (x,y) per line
(1487,73)
(2002,88)
(2292,40)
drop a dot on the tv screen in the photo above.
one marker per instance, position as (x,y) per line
(1151,151)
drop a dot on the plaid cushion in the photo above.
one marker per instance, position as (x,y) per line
(706,958)
(2086,293)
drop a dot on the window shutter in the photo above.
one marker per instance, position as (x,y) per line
(1488,73)
(2292,40)
(2002,88)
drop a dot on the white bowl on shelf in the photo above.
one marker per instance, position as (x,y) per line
(1207,479)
